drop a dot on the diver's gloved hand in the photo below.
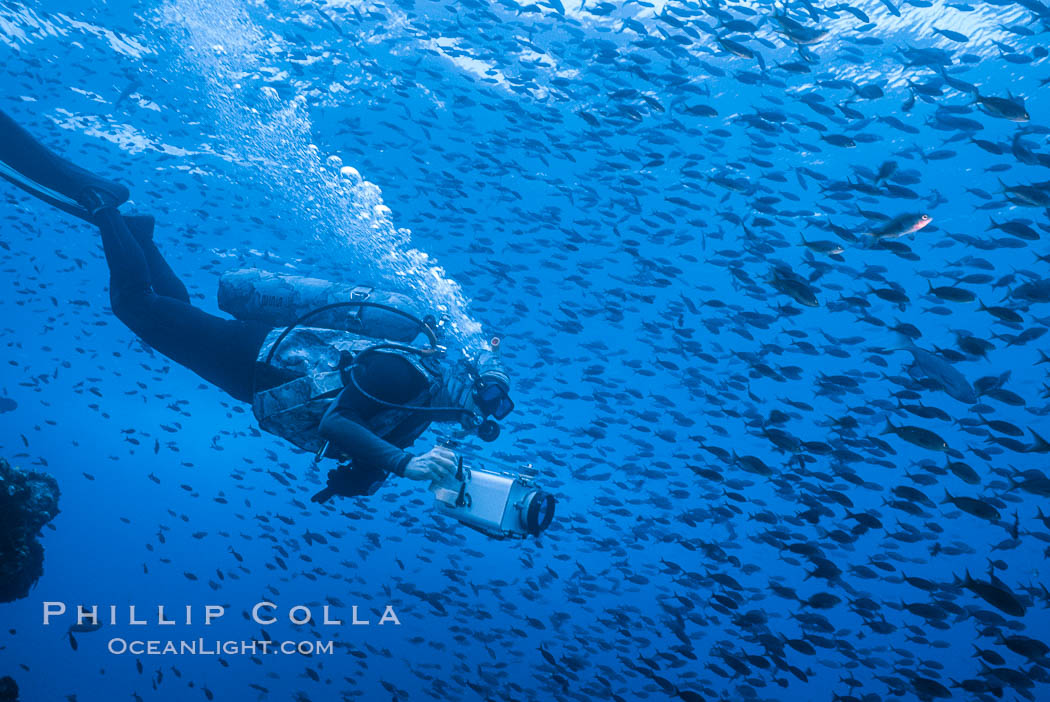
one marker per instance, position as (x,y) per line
(439,463)
(347,481)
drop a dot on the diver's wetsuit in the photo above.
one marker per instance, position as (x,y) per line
(144,292)
(152,302)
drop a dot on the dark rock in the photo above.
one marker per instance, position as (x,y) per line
(8,690)
(28,501)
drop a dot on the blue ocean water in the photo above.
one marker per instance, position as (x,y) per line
(623,194)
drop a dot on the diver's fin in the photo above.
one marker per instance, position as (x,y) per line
(36,169)
(51,197)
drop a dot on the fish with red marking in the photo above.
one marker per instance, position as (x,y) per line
(901,225)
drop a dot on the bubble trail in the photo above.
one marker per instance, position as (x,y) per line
(269,137)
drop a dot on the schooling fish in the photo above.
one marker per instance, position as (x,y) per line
(923,438)
(1010,108)
(901,225)
(951,381)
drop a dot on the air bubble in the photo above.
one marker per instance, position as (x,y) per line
(351,174)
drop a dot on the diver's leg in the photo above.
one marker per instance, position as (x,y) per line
(36,169)
(129,273)
(162,277)
(221,351)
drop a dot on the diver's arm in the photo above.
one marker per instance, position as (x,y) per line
(342,426)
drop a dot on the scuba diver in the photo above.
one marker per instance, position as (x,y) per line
(353,390)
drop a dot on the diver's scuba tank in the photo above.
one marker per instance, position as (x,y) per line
(281,299)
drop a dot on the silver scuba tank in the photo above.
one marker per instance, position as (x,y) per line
(281,299)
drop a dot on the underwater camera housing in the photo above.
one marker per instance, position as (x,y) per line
(495,499)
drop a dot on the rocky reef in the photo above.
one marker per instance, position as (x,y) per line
(8,690)
(28,501)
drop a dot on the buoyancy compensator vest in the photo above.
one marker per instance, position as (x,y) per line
(329,326)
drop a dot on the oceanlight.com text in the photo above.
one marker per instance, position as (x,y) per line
(215,647)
